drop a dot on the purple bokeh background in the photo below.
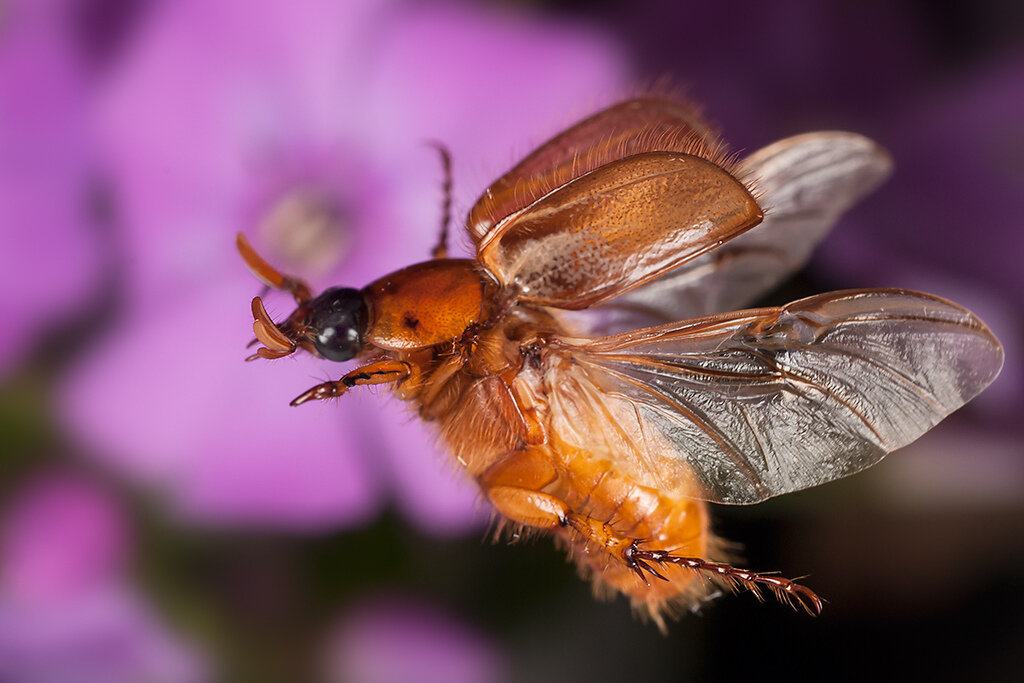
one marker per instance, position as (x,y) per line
(68,610)
(49,256)
(148,472)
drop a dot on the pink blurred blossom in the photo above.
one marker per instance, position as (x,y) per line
(67,611)
(304,125)
(393,641)
(49,261)
(60,536)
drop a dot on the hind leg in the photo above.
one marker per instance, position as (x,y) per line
(514,488)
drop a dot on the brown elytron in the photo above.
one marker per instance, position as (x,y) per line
(541,365)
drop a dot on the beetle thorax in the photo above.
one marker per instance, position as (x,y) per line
(425,304)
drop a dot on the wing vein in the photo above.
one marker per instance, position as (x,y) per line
(788,373)
(700,421)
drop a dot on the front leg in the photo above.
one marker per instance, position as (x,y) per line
(380,372)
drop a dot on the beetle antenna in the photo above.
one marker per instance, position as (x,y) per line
(441,250)
(269,275)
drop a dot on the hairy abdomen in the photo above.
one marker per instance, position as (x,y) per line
(595,487)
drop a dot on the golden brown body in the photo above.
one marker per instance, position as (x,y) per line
(611,430)
(486,392)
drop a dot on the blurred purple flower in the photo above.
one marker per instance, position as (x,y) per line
(67,612)
(302,124)
(61,537)
(392,641)
(48,254)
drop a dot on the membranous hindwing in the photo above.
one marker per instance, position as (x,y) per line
(768,401)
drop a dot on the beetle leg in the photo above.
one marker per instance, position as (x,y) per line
(513,487)
(269,275)
(644,562)
(275,342)
(786,590)
(441,250)
(380,372)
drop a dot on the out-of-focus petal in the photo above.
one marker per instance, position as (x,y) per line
(48,251)
(104,636)
(172,403)
(212,99)
(495,85)
(395,641)
(60,535)
(67,612)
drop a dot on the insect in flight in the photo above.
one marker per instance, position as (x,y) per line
(582,371)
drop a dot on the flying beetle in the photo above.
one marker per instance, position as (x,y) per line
(583,368)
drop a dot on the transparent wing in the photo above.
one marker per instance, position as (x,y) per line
(805,183)
(635,126)
(617,227)
(762,402)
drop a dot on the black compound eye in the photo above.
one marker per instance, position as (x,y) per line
(338,320)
